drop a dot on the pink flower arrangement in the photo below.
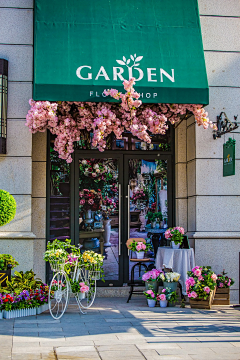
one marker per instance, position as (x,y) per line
(175,234)
(200,282)
(151,275)
(150,294)
(223,281)
(162,297)
(67,119)
(140,246)
(83,287)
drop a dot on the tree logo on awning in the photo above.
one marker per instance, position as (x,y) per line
(136,59)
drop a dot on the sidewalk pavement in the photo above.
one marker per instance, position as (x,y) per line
(115,330)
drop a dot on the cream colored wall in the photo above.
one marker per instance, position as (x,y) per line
(208,203)
(22,163)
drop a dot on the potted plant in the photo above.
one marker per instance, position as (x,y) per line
(79,289)
(151,297)
(172,299)
(139,247)
(175,235)
(201,286)
(152,279)
(222,295)
(7,262)
(162,297)
(170,279)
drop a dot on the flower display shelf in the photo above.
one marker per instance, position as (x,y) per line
(222,296)
(201,303)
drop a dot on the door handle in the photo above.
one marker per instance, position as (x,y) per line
(128,214)
(119,218)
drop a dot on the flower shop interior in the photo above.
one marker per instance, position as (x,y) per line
(117,144)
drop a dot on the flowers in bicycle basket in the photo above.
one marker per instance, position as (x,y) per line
(72,259)
(55,254)
(92,258)
(83,287)
(57,285)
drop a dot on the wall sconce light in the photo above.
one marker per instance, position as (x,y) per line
(3,105)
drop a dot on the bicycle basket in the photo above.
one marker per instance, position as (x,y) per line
(57,265)
(94,272)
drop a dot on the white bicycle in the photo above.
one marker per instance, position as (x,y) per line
(62,282)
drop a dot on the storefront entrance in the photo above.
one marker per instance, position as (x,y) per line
(102,199)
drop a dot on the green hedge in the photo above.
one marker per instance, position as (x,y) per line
(7,207)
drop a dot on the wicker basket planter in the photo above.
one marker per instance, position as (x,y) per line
(222,296)
(201,303)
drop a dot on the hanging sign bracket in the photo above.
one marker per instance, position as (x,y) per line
(224,125)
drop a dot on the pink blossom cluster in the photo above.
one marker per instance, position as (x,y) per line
(67,119)
(161,297)
(151,293)
(192,295)
(83,287)
(168,232)
(140,246)
(151,275)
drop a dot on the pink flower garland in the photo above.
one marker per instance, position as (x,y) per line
(66,119)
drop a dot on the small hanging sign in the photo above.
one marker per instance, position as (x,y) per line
(229,157)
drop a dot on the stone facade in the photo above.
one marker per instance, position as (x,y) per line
(207,205)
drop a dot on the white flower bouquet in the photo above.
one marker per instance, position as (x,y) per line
(170,276)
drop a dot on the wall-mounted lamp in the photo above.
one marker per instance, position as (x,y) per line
(3,105)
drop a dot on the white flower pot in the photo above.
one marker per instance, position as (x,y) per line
(163,303)
(174,246)
(151,303)
(1,314)
(81,296)
(140,255)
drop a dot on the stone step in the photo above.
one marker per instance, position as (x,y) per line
(122,291)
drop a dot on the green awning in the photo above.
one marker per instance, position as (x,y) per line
(82,47)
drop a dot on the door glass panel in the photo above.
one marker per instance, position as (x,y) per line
(59,197)
(148,199)
(159,142)
(98,211)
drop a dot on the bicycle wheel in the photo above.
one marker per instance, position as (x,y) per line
(58,295)
(89,298)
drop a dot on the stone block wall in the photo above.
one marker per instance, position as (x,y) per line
(16,167)
(207,203)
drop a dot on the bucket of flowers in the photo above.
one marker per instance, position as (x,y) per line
(170,279)
(175,234)
(201,286)
(222,296)
(140,247)
(57,254)
(152,279)
(151,297)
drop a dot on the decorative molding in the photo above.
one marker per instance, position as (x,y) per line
(17,235)
(214,235)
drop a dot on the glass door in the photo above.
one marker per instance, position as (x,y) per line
(98,209)
(148,193)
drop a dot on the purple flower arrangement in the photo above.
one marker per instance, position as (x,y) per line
(26,299)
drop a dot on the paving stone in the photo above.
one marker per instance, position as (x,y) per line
(115,347)
(120,355)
